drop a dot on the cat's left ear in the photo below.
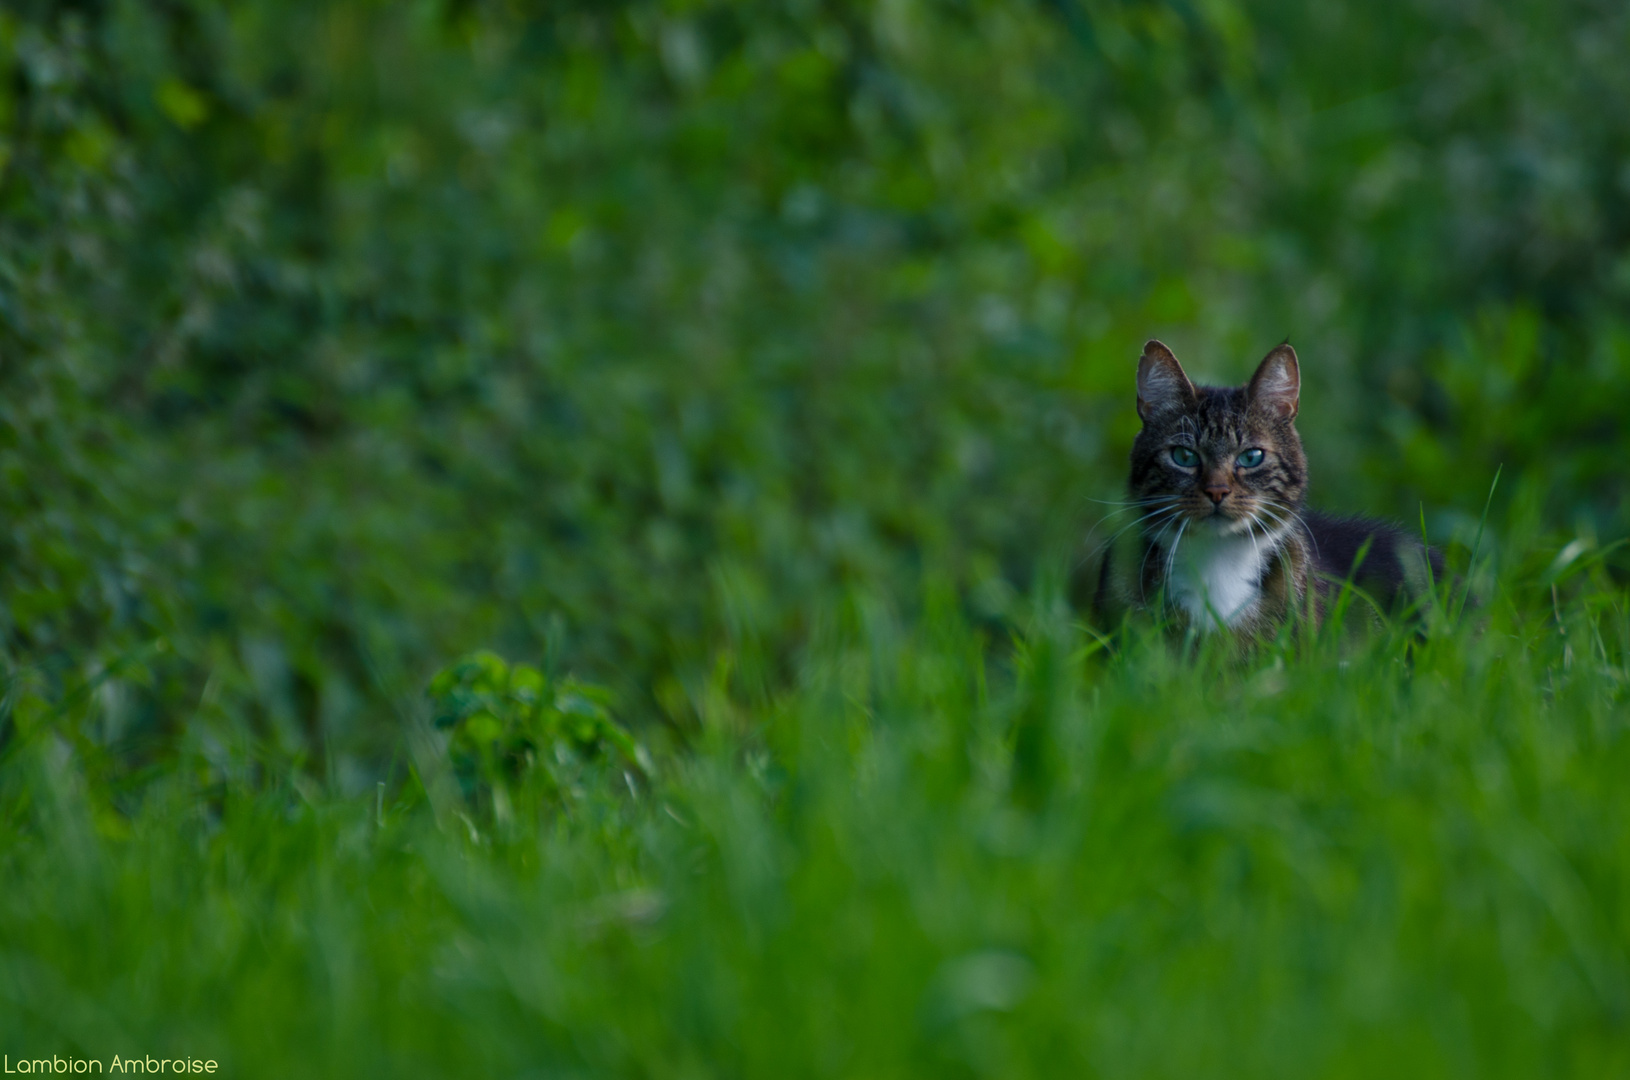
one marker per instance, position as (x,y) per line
(1276,388)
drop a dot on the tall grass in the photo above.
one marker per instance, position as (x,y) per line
(940,853)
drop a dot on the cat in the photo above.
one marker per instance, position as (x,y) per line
(1225,542)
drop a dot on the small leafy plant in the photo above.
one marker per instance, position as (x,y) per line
(514,732)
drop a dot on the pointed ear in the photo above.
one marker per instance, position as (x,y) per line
(1162,383)
(1276,388)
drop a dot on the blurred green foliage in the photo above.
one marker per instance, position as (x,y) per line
(754,366)
(337,339)
(513,733)
(925,860)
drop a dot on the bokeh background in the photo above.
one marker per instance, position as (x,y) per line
(338,339)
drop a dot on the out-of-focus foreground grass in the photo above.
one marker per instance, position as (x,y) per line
(758,363)
(1385,858)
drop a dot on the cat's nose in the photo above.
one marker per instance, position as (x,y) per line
(1217,493)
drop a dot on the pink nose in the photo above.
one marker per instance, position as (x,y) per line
(1217,493)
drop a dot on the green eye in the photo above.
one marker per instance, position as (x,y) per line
(1185,457)
(1250,459)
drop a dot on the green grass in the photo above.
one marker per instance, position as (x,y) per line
(734,367)
(936,854)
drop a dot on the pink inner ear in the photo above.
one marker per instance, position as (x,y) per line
(1161,381)
(1277,384)
(1162,384)
(1278,394)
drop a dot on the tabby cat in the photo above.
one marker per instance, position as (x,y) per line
(1224,541)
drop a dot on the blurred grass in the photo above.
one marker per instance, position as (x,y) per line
(342,339)
(924,858)
(759,363)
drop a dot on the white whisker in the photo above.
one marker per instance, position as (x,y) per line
(1153,542)
(1136,502)
(1160,503)
(1308,529)
(1171,557)
(1158,513)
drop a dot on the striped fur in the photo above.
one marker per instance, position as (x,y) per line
(1225,542)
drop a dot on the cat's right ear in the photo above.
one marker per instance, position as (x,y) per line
(1162,383)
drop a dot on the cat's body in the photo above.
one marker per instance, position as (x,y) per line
(1224,541)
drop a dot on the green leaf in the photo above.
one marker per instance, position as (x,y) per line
(186,107)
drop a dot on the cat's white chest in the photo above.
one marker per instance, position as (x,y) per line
(1218,577)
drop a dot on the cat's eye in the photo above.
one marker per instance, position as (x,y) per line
(1250,459)
(1184,457)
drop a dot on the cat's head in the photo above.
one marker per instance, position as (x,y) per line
(1225,460)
